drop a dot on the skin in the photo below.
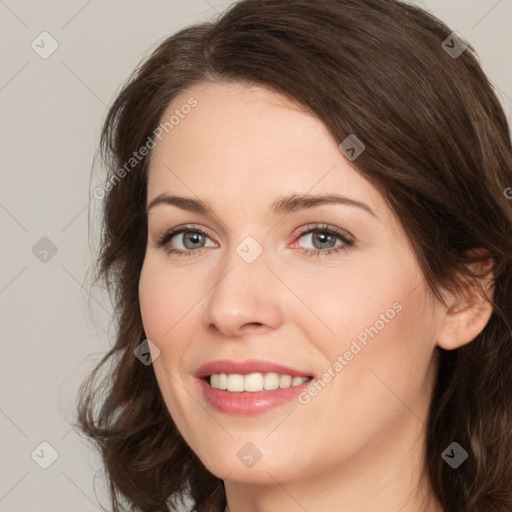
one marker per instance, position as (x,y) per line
(357,444)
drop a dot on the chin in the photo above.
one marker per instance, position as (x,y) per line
(246,465)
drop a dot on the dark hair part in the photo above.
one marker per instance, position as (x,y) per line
(437,147)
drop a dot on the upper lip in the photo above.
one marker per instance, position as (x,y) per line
(245,367)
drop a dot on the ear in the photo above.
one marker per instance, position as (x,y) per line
(467,311)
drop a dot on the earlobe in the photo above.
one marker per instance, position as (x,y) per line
(467,313)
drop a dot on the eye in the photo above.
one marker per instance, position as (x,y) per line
(325,237)
(193,236)
(322,236)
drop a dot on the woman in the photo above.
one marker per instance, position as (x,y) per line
(307,233)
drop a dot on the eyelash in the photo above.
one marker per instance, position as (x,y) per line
(164,239)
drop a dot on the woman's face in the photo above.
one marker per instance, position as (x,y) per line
(345,303)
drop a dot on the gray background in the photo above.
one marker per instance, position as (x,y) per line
(51,114)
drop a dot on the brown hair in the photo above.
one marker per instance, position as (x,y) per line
(437,147)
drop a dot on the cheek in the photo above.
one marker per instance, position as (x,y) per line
(350,302)
(385,360)
(170,302)
(379,316)
(162,311)
(155,297)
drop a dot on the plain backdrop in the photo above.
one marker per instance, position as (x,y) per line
(52,108)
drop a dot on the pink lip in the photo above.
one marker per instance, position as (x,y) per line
(247,403)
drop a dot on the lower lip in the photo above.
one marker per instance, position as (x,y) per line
(249,403)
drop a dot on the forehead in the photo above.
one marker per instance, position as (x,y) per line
(237,119)
(245,140)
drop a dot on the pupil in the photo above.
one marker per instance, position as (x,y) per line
(191,238)
(323,236)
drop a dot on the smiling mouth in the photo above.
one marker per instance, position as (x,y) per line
(253,382)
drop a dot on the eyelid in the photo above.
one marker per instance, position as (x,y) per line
(300,232)
(322,226)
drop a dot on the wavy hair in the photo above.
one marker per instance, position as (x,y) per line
(438,148)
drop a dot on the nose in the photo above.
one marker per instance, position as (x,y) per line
(245,298)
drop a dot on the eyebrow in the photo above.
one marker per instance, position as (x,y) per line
(282,205)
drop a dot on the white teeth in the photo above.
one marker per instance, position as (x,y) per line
(223,381)
(285,381)
(235,382)
(254,382)
(297,381)
(271,381)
